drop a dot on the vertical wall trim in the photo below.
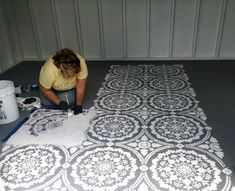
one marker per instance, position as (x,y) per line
(195,28)
(148,28)
(4,5)
(56,24)
(223,7)
(39,41)
(17,30)
(3,33)
(78,27)
(172,21)
(101,27)
(35,29)
(124,28)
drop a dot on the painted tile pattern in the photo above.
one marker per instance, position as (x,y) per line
(149,135)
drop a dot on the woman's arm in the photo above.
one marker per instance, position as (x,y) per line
(49,94)
(80,90)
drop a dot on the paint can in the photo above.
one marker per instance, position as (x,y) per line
(8,107)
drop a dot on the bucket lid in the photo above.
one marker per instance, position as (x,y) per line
(6,87)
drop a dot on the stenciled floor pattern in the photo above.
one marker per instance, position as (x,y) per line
(149,135)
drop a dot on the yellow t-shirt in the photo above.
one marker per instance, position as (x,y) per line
(51,77)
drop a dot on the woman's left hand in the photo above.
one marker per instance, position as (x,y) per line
(77,109)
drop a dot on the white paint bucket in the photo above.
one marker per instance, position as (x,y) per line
(8,107)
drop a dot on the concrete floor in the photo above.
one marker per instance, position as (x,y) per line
(213,82)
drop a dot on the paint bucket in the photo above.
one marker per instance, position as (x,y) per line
(8,107)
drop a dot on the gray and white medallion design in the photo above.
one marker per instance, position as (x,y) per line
(168,84)
(167,70)
(114,127)
(126,70)
(149,134)
(177,129)
(119,102)
(103,169)
(172,102)
(30,166)
(124,84)
(41,122)
(183,170)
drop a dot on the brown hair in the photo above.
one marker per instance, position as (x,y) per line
(67,58)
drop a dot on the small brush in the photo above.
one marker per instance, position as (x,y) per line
(70,112)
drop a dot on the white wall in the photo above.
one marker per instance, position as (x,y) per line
(119,29)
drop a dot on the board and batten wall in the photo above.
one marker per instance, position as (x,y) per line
(117,29)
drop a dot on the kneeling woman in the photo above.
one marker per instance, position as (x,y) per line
(62,81)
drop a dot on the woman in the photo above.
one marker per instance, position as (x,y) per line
(62,81)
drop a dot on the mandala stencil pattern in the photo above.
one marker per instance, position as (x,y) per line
(119,101)
(114,127)
(185,170)
(128,84)
(104,169)
(170,84)
(31,165)
(149,134)
(40,124)
(177,129)
(172,102)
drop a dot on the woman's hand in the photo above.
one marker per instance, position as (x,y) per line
(63,106)
(77,109)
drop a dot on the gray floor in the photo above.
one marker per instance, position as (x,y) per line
(213,82)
